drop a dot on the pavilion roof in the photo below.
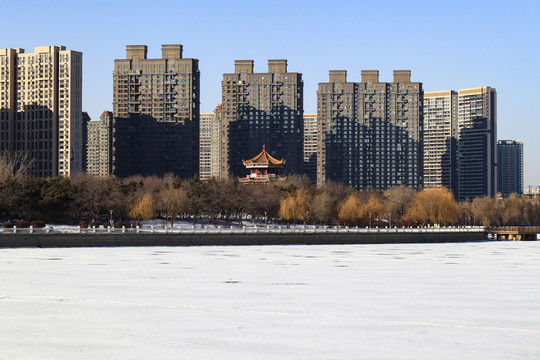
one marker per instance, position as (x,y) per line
(264,158)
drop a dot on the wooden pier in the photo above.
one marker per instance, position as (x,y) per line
(514,233)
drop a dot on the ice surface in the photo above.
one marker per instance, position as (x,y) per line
(407,301)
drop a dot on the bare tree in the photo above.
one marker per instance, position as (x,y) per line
(397,200)
(143,208)
(372,208)
(434,205)
(323,208)
(514,210)
(351,209)
(196,194)
(296,206)
(173,202)
(326,202)
(15,166)
(260,201)
(483,211)
(465,213)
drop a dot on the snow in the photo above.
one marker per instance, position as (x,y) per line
(477,300)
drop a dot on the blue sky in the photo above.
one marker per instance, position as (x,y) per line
(447,45)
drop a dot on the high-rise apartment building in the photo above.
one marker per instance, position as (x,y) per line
(310,147)
(41,108)
(460,131)
(440,139)
(532,191)
(261,109)
(99,145)
(205,145)
(477,143)
(510,167)
(216,145)
(84,126)
(156,113)
(370,132)
(210,143)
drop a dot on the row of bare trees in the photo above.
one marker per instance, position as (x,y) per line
(512,210)
(223,200)
(402,205)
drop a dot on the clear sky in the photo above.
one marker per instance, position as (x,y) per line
(447,45)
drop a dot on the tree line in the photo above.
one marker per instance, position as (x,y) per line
(295,200)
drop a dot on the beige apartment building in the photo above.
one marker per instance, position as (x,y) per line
(310,146)
(370,132)
(532,191)
(41,108)
(261,109)
(216,144)
(440,139)
(210,145)
(156,113)
(99,145)
(205,145)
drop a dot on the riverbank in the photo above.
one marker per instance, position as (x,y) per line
(213,237)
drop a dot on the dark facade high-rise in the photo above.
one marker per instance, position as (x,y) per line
(156,113)
(85,120)
(510,167)
(261,109)
(370,132)
(310,147)
(477,143)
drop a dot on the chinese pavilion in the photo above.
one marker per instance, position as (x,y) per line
(263,169)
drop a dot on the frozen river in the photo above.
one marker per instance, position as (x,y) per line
(412,301)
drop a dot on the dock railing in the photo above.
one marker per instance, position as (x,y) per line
(211,229)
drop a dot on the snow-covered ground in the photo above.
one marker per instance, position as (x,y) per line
(413,301)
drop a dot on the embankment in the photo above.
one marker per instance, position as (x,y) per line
(194,239)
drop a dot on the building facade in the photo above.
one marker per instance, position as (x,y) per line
(532,191)
(370,132)
(205,145)
(440,139)
(477,143)
(209,146)
(510,167)
(310,147)
(85,120)
(216,144)
(261,109)
(99,145)
(156,113)
(460,132)
(41,108)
